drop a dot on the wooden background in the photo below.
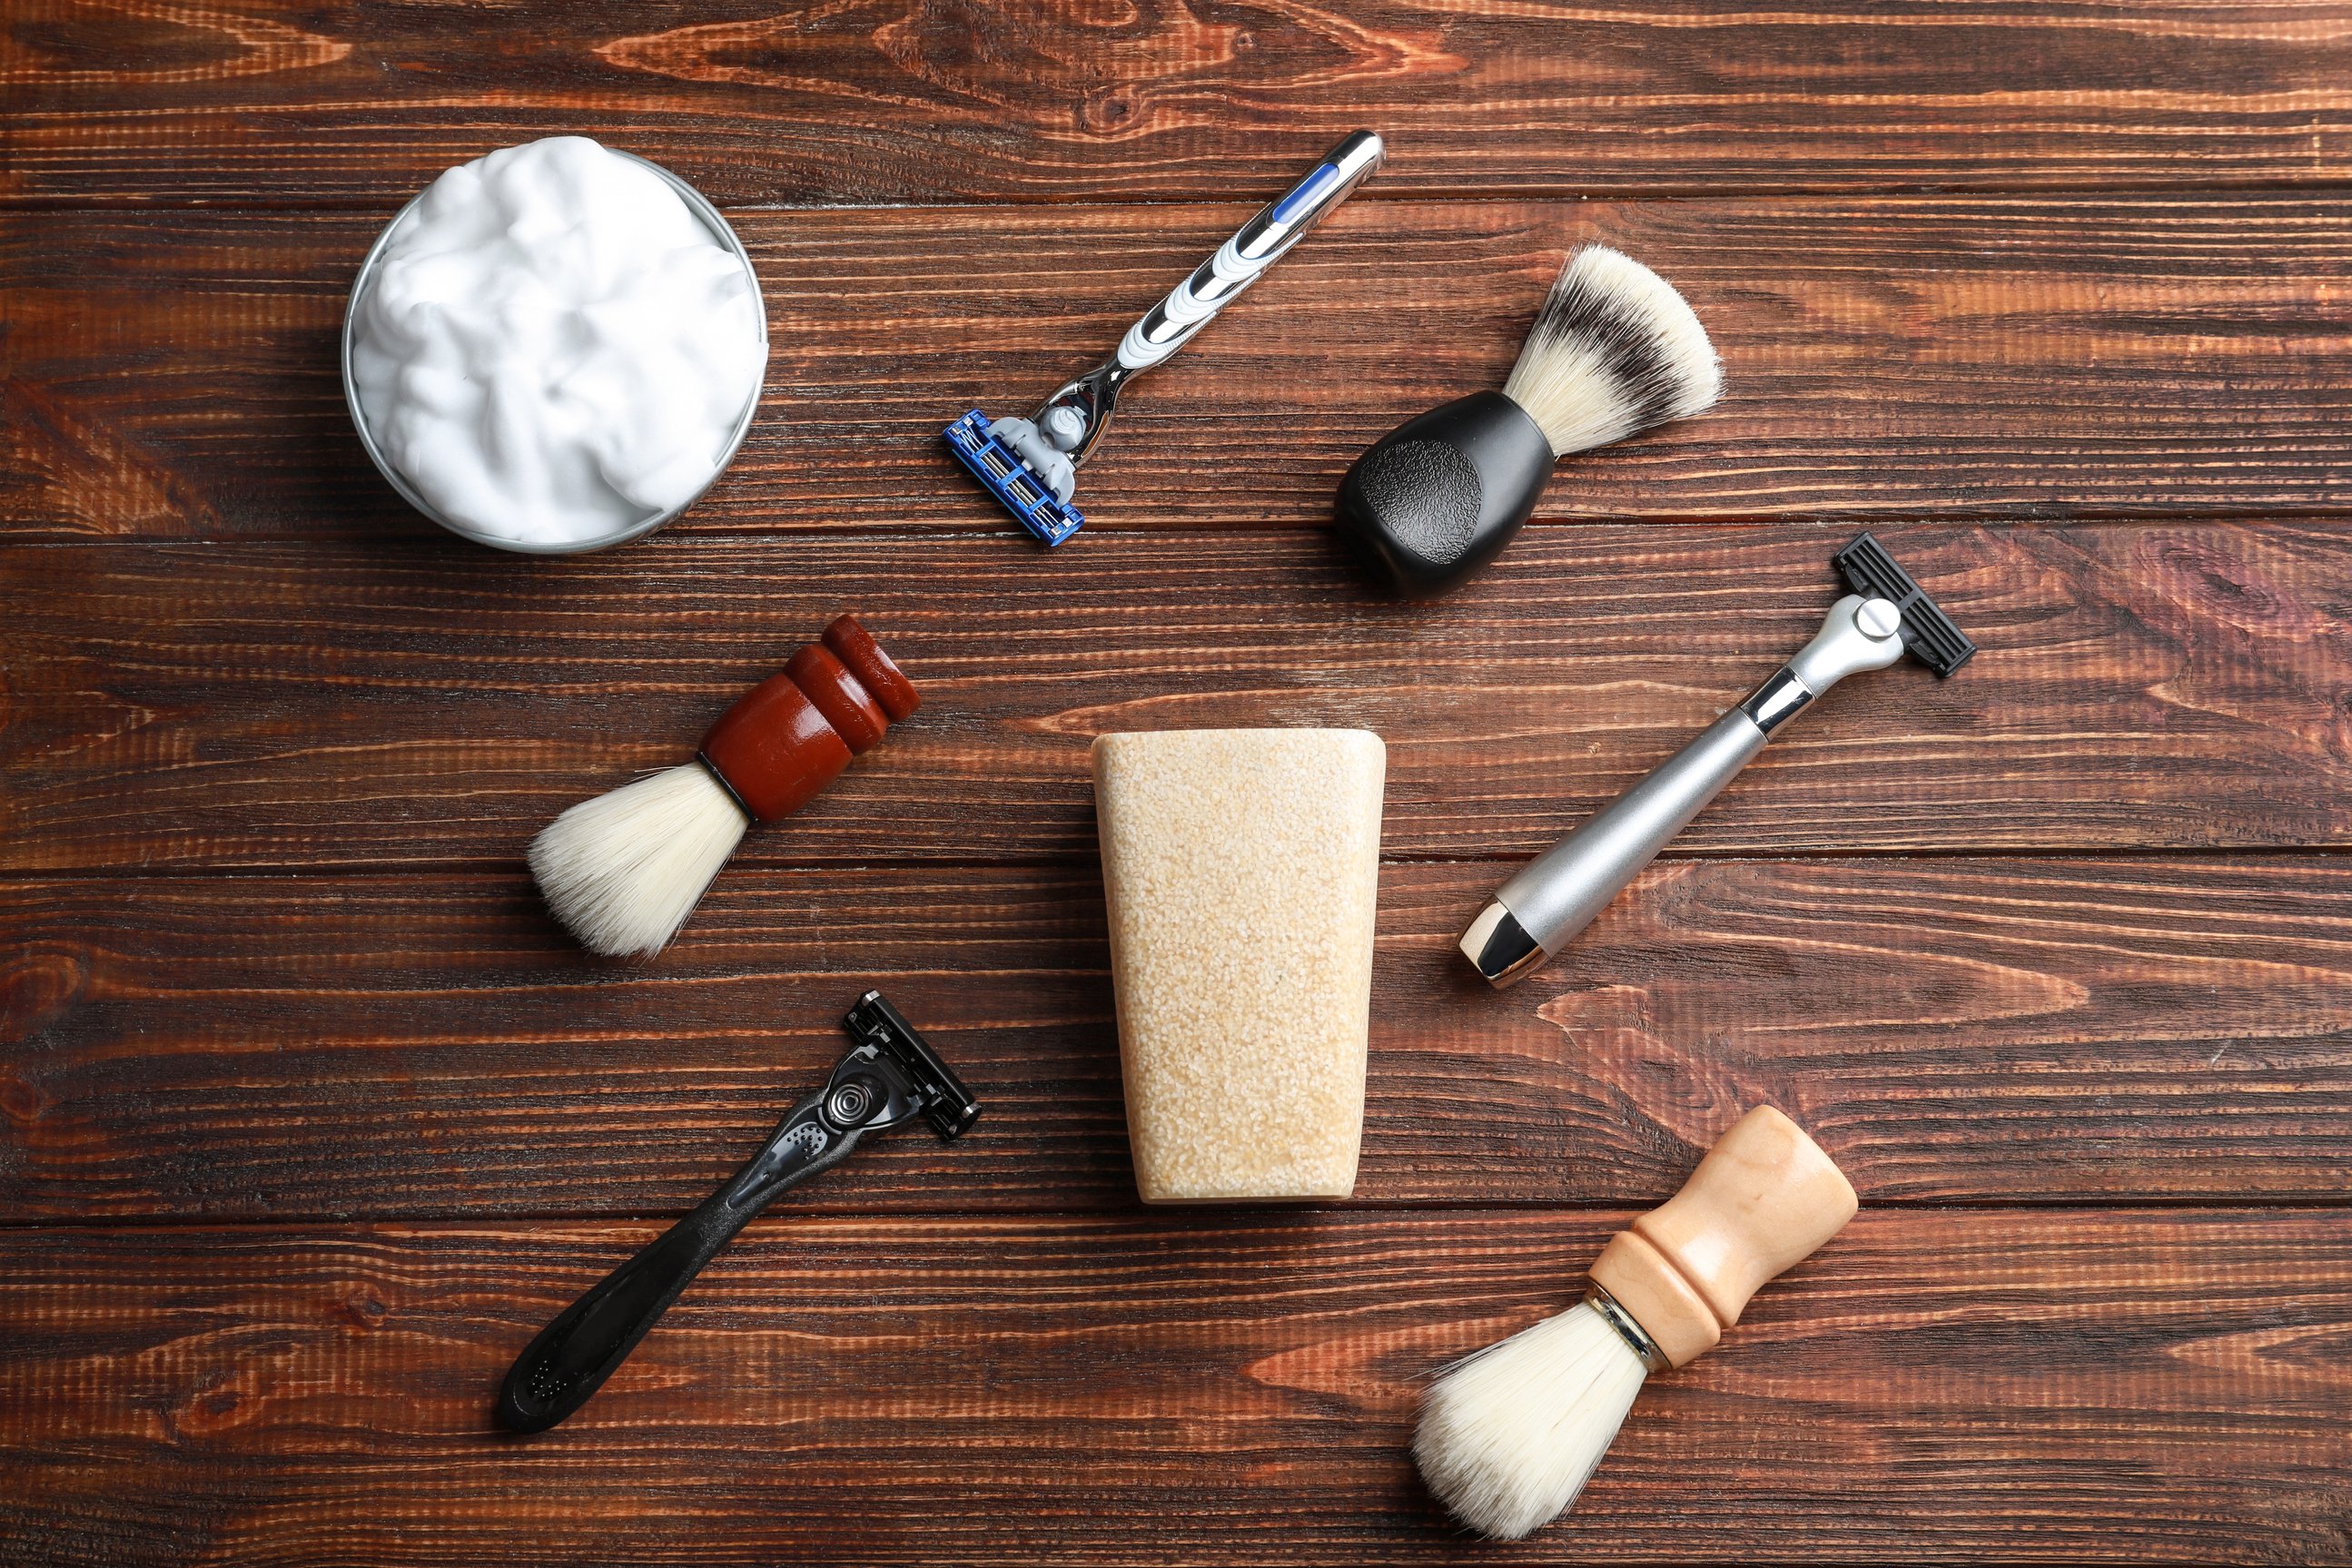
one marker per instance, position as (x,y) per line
(309,1117)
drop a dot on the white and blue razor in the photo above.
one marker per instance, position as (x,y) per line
(1031,466)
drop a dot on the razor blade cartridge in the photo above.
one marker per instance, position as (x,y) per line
(1928,634)
(948,1105)
(1003,474)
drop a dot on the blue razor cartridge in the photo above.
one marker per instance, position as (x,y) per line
(1010,480)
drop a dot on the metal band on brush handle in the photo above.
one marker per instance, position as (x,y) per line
(1237,264)
(1560,892)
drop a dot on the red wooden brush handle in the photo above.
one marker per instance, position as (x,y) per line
(789,735)
(858,649)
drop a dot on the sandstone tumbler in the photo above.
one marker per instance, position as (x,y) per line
(1242,866)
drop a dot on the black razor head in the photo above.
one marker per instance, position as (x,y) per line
(948,1105)
(1928,634)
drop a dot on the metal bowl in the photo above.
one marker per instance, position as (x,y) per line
(719,230)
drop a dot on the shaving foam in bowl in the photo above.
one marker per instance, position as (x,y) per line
(555,347)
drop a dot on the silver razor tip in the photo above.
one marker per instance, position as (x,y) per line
(1499,947)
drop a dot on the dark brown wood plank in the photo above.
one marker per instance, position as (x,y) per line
(356,704)
(174,375)
(1215,1387)
(251,100)
(2022,1031)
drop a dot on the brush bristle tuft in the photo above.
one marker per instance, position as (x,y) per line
(622,872)
(1614,351)
(1510,1436)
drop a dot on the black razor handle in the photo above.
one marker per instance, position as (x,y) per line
(1441,494)
(890,1076)
(588,1341)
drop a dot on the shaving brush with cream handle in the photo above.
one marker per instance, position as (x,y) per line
(1508,1437)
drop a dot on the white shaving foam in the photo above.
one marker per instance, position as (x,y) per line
(554,348)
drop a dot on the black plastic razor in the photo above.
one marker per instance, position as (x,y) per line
(890,1075)
(1884,616)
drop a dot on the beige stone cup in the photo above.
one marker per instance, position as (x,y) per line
(1242,867)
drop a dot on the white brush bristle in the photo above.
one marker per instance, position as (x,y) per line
(623,870)
(1614,350)
(1510,1436)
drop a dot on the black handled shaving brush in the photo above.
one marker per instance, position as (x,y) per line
(1614,351)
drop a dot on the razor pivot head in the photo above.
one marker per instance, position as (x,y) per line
(948,1105)
(1928,634)
(1001,472)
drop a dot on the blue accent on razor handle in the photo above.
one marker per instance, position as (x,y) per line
(1304,194)
(1047,448)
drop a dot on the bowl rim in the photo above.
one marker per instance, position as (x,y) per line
(719,229)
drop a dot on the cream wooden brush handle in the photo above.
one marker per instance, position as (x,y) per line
(1765,1197)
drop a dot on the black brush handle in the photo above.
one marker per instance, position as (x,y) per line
(588,1341)
(1441,494)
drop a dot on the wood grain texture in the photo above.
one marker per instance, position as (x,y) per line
(309,1117)
(407,703)
(1146,1390)
(2029,1032)
(257,101)
(174,375)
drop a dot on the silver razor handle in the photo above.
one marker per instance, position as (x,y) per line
(1074,417)
(1561,891)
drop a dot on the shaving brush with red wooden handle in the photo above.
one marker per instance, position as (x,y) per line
(623,870)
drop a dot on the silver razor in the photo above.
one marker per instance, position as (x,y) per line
(1560,892)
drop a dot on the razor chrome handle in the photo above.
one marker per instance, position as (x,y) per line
(890,1076)
(1074,417)
(1560,892)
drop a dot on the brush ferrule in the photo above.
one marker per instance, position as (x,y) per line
(712,768)
(1635,1336)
